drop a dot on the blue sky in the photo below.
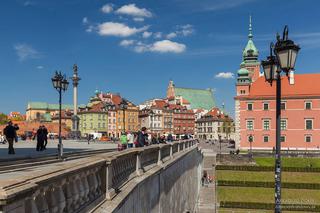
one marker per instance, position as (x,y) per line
(136,47)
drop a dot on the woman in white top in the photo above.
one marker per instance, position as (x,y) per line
(130,139)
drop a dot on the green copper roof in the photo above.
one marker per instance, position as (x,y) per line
(198,98)
(243,71)
(250,50)
(46,106)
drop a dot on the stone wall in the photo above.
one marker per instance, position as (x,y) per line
(158,178)
(173,188)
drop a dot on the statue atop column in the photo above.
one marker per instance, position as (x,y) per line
(75,119)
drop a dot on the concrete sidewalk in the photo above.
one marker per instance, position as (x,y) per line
(27,149)
(206,202)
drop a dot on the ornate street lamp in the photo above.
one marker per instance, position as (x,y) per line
(286,54)
(250,141)
(123,106)
(60,83)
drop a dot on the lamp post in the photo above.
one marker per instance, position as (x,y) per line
(284,60)
(60,83)
(219,136)
(123,106)
(250,141)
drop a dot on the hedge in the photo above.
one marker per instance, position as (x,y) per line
(268,184)
(269,206)
(265,168)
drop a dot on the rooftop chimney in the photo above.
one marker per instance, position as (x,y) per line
(291,77)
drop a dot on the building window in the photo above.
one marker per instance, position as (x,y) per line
(283,105)
(265,106)
(282,138)
(308,105)
(266,139)
(283,124)
(266,124)
(250,124)
(308,138)
(250,106)
(309,124)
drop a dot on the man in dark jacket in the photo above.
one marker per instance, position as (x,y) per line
(40,139)
(45,136)
(10,133)
(142,137)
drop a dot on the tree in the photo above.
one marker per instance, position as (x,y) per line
(3,118)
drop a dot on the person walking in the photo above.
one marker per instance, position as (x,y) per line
(154,139)
(170,138)
(123,140)
(130,139)
(10,133)
(141,140)
(40,139)
(88,138)
(45,136)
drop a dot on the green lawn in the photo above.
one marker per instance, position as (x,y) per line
(289,162)
(266,195)
(229,210)
(293,177)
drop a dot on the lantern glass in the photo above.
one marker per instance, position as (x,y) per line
(286,52)
(65,84)
(267,72)
(55,82)
(293,57)
(283,58)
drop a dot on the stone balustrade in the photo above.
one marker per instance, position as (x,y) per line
(78,186)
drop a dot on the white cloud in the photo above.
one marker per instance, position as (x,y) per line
(141,48)
(107,8)
(40,67)
(85,20)
(224,75)
(186,30)
(90,28)
(167,46)
(158,35)
(28,3)
(126,43)
(225,4)
(138,19)
(118,29)
(133,10)
(171,35)
(25,51)
(146,34)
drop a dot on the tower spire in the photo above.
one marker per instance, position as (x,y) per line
(250,36)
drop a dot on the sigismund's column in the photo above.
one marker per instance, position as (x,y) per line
(75,119)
